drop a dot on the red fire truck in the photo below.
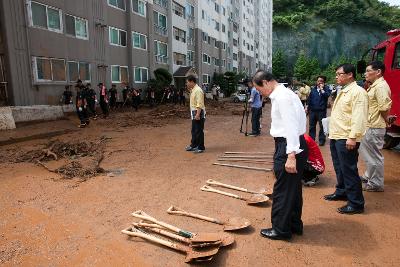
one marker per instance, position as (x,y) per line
(389,53)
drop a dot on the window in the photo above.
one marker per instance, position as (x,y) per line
(49,69)
(46,17)
(117,37)
(235,56)
(216,8)
(179,35)
(380,54)
(178,9)
(216,44)
(160,23)
(396,59)
(78,71)
(179,59)
(76,26)
(190,57)
(119,74)
(161,52)
(206,79)
(223,27)
(203,16)
(217,26)
(206,59)
(190,11)
(235,42)
(141,74)
(139,7)
(139,40)
(119,4)
(205,36)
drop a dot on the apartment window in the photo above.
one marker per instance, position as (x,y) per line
(190,55)
(216,7)
(235,27)
(117,36)
(179,35)
(244,43)
(78,71)
(216,44)
(217,26)
(160,23)
(208,39)
(119,4)
(49,69)
(235,56)
(141,74)
(206,59)
(161,3)
(178,9)
(190,11)
(235,42)
(203,14)
(223,27)
(77,27)
(161,52)
(119,74)
(139,40)
(179,59)
(139,7)
(252,48)
(206,79)
(46,17)
(205,36)
(223,11)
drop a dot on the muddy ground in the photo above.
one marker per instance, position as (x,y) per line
(48,218)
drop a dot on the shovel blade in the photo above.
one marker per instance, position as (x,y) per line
(205,238)
(200,255)
(257,199)
(236,223)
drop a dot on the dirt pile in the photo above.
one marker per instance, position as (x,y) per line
(78,159)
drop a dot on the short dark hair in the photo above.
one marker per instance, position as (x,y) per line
(323,78)
(191,78)
(377,65)
(262,75)
(348,68)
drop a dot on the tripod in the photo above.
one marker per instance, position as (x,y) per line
(245,114)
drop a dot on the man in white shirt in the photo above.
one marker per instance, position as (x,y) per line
(288,126)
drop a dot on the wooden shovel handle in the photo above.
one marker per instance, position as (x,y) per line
(134,232)
(142,215)
(177,211)
(212,182)
(155,228)
(210,189)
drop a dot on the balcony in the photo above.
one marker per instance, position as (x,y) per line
(190,41)
(160,59)
(160,30)
(161,3)
(190,18)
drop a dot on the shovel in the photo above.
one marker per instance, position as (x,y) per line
(212,182)
(191,255)
(231,224)
(194,238)
(162,231)
(253,199)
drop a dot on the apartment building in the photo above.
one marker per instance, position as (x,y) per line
(48,44)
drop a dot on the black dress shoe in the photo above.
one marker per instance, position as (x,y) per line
(350,210)
(334,197)
(272,234)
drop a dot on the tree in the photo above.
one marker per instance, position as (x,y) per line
(279,64)
(163,76)
(301,67)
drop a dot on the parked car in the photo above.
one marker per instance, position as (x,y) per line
(240,94)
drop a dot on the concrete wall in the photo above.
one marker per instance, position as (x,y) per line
(6,119)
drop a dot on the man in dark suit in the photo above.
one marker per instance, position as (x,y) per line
(317,104)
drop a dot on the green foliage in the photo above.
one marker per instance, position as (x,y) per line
(292,13)
(163,76)
(231,80)
(279,69)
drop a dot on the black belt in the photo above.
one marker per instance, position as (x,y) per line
(283,139)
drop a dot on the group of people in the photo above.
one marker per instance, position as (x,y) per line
(86,100)
(357,124)
(172,95)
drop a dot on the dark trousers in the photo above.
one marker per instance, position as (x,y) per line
(345,165)
(314,118)
(255,120)
(182,100)
(198,134)
(92,107)
(287,201)
(82,115)
(104,108)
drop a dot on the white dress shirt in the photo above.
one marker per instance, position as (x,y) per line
(288,118)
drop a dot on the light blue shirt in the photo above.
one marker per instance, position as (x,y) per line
(255,98)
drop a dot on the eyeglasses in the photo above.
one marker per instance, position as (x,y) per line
(369,70)
(340,73)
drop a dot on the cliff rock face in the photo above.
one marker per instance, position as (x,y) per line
(326,43)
